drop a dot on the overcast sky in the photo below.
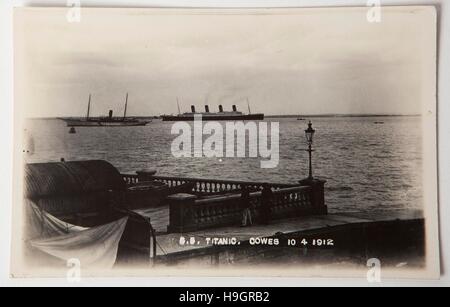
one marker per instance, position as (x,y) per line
(294,62)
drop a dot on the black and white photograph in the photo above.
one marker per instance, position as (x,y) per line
(296,142)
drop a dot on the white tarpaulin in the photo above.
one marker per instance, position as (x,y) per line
(93,247)
(42,225)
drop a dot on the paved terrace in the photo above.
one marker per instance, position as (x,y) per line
(168,243)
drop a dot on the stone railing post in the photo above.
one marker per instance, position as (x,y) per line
(180,206)
(146,175)
(317,195)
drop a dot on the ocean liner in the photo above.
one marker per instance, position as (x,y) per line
(222,115)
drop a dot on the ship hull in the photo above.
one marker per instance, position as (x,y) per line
(81,123)
(213,117)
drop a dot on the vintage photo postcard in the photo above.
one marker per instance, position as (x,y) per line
(225,142)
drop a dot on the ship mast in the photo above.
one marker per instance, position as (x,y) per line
(89,108)
(248,104)
(126,106)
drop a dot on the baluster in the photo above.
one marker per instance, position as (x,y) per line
(195,215)
(213,212)
(209,213)
(204,214)
(218,211)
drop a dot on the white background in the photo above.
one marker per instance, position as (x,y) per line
(6,124)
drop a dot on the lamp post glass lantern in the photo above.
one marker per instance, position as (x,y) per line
(309,133)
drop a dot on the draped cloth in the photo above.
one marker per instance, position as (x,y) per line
(94,247)
(42,225)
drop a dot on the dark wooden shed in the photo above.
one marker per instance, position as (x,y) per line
(76,192)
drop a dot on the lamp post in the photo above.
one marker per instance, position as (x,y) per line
(317,191)
(309,133)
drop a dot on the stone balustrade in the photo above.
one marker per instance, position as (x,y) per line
(189,213)
(216,203)
(202,187)
(130,179)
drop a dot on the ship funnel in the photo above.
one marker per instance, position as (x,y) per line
(207,109)
(193,109)
(110,114)
(221,109)
(234,108)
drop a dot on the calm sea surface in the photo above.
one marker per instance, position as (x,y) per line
(367,166)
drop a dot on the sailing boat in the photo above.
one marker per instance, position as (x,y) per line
(105,121)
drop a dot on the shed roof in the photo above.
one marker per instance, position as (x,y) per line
(69,178)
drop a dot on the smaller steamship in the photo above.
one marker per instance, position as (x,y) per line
(108,121)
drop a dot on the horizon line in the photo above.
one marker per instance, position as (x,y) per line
(267,116)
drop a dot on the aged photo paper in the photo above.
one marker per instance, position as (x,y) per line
(225,142)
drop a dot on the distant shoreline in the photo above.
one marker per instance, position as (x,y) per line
(341,115)
(275,116)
